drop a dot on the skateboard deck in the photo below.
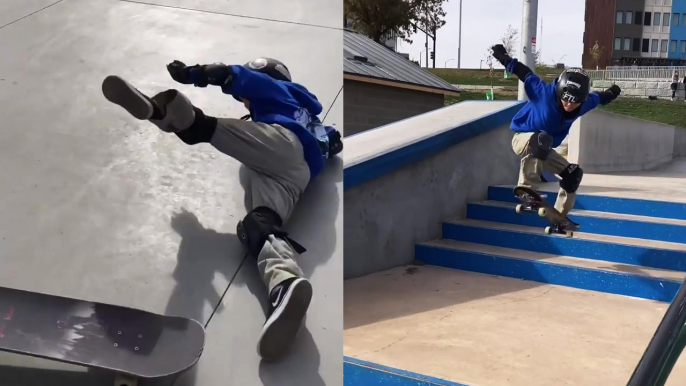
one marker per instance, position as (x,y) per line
(129,342)
(532,201)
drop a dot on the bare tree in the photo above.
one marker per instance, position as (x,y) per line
(596,53)
(509,40)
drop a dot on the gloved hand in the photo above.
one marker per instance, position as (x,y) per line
(500,54)
(615,90)
(180,72)
(215,74)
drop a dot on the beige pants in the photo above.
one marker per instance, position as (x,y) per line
(278,175)
(531,168)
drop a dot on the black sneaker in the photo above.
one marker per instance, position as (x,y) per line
(287,307)
(120,92)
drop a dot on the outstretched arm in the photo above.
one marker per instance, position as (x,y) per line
(532,82)
(609,95)
(234,80)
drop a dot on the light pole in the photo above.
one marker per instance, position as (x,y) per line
(459,39)
(529,18)
(446,63)
(420,59)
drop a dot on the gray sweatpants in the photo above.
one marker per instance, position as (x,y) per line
(531,168)
(278,175)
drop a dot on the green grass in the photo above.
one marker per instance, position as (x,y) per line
(661,111)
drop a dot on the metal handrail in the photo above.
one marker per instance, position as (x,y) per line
(665,347)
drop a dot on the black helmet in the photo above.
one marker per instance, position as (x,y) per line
(573,86)
(271,67)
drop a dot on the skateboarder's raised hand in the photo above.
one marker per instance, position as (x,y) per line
(216,74)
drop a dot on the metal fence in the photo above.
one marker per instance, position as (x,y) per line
(634,73)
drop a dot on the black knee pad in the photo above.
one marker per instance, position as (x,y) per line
(540,145)
(571,178)
(201,131)
(257,225)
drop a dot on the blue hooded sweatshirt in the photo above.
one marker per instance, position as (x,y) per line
(287,104)
(543,111)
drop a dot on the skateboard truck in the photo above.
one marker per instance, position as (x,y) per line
(532,201)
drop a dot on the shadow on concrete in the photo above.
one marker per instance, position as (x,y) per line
(202,254)
(415,289)
(301,369)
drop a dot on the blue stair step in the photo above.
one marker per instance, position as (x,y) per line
(620,279)
(361,373)
(640,252)
(612,224)
(583,201)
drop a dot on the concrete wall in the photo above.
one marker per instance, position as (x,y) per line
(606,142)
(368,105)
(643,89)
(403,180)
(679,142)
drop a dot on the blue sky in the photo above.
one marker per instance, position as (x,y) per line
(485,21)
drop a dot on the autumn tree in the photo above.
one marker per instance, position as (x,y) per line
(376,18)
(596,53)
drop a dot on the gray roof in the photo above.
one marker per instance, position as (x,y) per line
(382,63)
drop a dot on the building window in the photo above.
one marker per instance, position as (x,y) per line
(618,18)
(627,44)
(653,45)
(647,17)
(618,44)
(683,46)
(672,46)
(665,20)
(675,20)
(638,18)
(637,45)
(629,17)
(663,45)
(656,18)
(645,45)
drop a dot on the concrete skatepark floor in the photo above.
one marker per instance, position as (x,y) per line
(99,206)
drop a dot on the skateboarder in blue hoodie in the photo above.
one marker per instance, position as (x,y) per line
(544,122)
(284,145)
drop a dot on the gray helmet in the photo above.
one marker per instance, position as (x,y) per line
(573,86)
(271,67)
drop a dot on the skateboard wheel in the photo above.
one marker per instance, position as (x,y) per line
(570,234)
(541,212)
(123,380)
(548,230)
(518,208)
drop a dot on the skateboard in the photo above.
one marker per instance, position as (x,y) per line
(131,343)
(532,201)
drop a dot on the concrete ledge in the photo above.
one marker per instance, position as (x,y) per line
(603,142)
(402,180)
(374,153)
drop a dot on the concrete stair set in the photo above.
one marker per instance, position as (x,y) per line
(625,246)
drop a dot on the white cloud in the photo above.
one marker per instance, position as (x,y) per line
(485,21)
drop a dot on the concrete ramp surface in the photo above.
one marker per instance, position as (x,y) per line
(97,205)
